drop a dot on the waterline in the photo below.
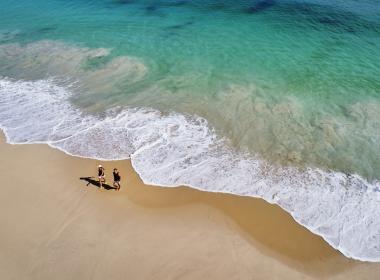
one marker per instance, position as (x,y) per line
(173,150)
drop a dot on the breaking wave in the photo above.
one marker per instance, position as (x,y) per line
(175,149)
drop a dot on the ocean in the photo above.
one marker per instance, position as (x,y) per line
(277,99)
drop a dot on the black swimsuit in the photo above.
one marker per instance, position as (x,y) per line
(116,177)
(100,172)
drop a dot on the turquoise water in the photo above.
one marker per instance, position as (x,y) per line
(293,83)
(320,59)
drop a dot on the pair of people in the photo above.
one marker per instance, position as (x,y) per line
(102,177)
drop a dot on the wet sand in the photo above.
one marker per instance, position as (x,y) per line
(55,226)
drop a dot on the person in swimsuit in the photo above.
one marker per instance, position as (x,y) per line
(101,176)
(116,179)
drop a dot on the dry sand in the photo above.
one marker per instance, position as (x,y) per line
(53,226)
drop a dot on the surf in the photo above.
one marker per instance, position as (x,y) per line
(176,150)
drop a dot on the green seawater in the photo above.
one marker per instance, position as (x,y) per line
(296,82)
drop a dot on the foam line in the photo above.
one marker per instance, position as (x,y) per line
(175,149)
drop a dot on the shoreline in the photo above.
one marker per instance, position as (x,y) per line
(301,192)
(218,235)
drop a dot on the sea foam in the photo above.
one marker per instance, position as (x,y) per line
(174,149)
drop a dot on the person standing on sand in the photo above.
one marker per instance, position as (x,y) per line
(116,179)
(101,176)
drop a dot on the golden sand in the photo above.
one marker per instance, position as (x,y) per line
(53,226)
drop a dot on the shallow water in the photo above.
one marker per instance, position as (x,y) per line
(279,99)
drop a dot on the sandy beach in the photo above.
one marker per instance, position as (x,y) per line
(53,226)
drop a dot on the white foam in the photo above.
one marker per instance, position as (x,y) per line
(172,150)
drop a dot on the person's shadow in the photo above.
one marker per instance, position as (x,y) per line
(92,181)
